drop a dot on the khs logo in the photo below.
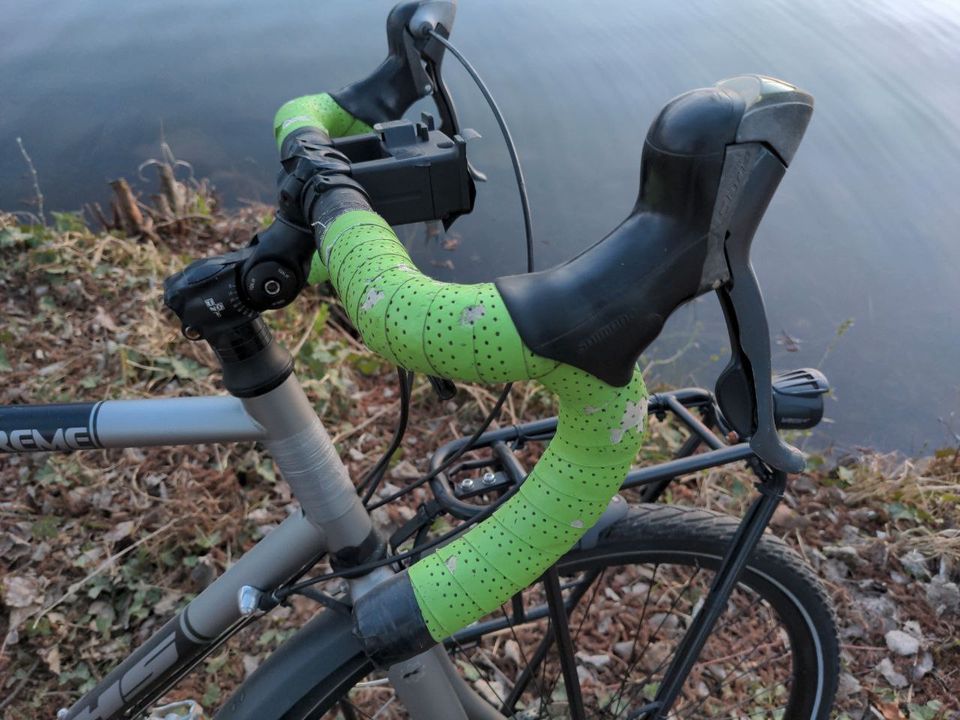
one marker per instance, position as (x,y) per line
(72,438)
(132,682)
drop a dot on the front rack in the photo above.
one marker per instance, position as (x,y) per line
(503,442)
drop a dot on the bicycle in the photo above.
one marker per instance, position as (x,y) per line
(699,583)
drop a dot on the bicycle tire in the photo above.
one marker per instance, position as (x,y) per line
(667,535)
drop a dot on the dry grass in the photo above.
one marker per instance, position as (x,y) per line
(99,548)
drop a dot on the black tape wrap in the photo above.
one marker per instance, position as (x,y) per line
(388,622)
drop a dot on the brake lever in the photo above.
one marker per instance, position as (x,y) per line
(744,388)
(410,71)
(449,123)
(424,22)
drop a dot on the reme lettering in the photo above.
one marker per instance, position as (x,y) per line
(31,439)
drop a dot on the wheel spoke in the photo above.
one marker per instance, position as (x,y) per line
(731,682)
(481,675)
(673,607)
(636,603)
(568,663)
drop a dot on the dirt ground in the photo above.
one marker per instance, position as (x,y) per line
(97,549)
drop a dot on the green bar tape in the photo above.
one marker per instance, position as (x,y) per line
(464,332)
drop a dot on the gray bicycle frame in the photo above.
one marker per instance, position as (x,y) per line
(331,517)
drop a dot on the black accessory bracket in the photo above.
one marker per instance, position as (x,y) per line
(410,172)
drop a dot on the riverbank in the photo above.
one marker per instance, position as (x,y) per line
(99,548)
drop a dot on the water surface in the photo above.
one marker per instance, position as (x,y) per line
(864,227)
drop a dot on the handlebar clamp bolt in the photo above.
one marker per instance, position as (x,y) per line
(271,287)
(191,333)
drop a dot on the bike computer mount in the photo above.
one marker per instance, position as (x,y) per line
(411,171)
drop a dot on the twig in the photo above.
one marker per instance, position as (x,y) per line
(181,218)
(376,416)
(352,431)
(676,356)
(20,685)
(72,590)
(131,218)
(303,338)
(36,181)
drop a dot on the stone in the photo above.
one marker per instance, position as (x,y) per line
(845,554)
(848,685)
(943,596)
(598,660)
(923,666)
(404,470)
(879,612)
(902,643)
(623,649)
(885,667)
(915,563)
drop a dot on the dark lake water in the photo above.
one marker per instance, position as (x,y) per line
(866,225)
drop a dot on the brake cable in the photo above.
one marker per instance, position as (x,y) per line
(368,486)
(374,477)
(282,593)
(507,138)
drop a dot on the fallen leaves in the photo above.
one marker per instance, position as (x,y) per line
(20,591)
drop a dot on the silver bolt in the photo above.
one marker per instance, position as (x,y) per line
(271,287)
(428,88)
(467,484)
(489,478)
(248,600)
(62,713)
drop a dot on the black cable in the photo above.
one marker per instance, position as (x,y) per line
(368,486)
(282,593)
(370,483)
(374,478)
(521,185)
(491,416)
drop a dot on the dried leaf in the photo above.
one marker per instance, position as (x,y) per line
(52,659)
(890,711)
(120,531)
(20,591)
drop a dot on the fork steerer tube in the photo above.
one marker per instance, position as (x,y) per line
(741,548)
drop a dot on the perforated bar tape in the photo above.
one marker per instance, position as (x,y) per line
(464,332)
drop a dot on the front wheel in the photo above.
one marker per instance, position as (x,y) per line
(773,653)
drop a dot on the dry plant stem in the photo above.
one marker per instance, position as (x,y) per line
(127,207)
(106,564)
(38,196)
(20,686)
(172,190)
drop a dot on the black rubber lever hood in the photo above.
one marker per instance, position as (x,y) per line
(712,160)
(411,69)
